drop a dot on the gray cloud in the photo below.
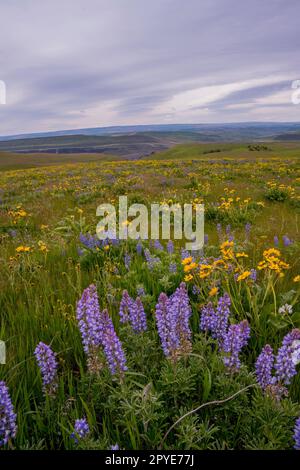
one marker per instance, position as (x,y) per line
(88,63)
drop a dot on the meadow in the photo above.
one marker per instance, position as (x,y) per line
(141,344)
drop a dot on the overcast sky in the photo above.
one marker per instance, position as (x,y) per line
(89,63)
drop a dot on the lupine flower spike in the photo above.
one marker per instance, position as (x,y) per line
(8,427)
(48,366)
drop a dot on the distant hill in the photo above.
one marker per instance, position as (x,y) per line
(140,141)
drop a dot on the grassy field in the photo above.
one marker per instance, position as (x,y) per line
(49,256)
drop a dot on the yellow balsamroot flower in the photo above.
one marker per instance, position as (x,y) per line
(205,270)
(186,261)
(188,278)
(241,255)
(189,267)
(272,261)
(23,249)
(106,248)
(213,291)
(44,227)
(226,249)
(42,246)
(297,278)
(243,276)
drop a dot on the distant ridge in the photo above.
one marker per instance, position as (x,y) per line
(273,128)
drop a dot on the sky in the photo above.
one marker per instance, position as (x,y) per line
(73,64)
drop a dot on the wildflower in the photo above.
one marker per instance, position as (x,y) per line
(112,347)
(151,260)
(285,309)
(216,321)
(264,366)
(137,316)
(127,261)
(23,249)
(139,248)
(81,430)
(90,325)
(276,240)
(170,247)
(162,320)
(89,241)
(173,268)
(235,339)
(253,275)
(172,319)
(189,267)
(288,357)
(243,276)
(206,239)
(8,427)
(158,245)
(297,278)
(213,291)
(187,261)
(188,278)
(125,305)
(115,447)
(48,366)
(247,230)
(297,435)
(205,270)
(43,247)
(286,241)
(241,255)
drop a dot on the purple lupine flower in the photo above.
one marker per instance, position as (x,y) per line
(170,247)
(8,427)
(137,316)
(235,339)
(222,316)
(205,239)
(276,240)
(125,304)
(139,248)
(253,275)
(181,302)
(264,366)
(228,230)
(173,268)
(161,316)
(115,447)
(47,363)
(89,241)
(208,318)
(158,245)
(184,253)
(247,230)
(172,319)
(219,231)
(140,291)
(297,435)
(89,318)
(127,261)
(90,325)
(288,357)
(216,321)
(112,347)
(151,260)
(286,240)
(195,290)
(81,430)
